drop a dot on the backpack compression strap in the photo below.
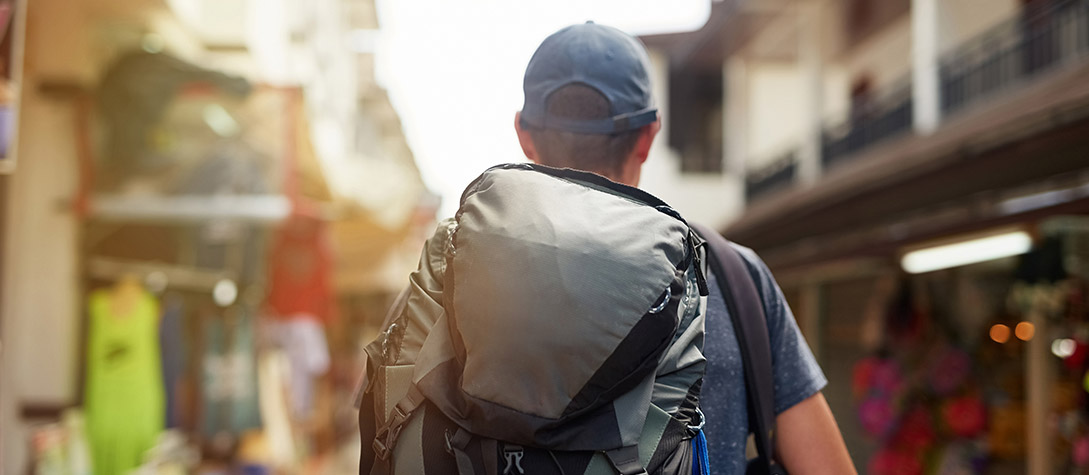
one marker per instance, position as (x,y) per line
(750,325)
(386,435)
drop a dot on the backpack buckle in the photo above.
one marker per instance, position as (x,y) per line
(386,436)
(513,455)
(449,447)
(384,441)
(381,450)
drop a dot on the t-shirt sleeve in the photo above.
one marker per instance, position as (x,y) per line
(797,374)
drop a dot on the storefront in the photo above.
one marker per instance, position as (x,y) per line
(969,368)
(955,335)
(180,251)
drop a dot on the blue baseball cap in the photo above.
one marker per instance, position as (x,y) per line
(606,59)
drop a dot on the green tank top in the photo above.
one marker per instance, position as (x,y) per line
(123,394)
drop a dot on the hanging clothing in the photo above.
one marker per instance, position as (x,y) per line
(123,395)
(172,343)
(272,369)
(229,389)
(303,341)
(133,96)
(299,284)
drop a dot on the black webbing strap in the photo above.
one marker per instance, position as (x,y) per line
(750,324)
(490,448)
(458,445)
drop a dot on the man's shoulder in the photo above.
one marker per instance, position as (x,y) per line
(750,255)
(766,284)
(756,267)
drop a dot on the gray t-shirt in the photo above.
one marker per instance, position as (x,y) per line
(722,398)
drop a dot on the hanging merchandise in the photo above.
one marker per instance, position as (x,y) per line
(133,96)
(273,368)
(918,396)
(123,396)
(1081,452)
(61,448)
(965,417)
(949,369)
(79,454)
(47,444)
(1061,268)
(300,271)
(229,389)
(171,455)
(174,351)
(303,341)
(229,168)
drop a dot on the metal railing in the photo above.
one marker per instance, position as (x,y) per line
(777,175)
(1030,44)
(886,116)
(1036,41)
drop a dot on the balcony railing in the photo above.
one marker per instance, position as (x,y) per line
(1038,40)
(886,116)
(777,175)
(1034,42)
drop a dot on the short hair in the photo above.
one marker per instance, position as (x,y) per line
(600,153)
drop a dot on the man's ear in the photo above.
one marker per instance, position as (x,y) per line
(646,139)
(525,139)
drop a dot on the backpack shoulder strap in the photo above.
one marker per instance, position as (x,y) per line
(750,324)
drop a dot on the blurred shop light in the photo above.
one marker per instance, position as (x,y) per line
(191,208)
(1000,333)
(1063,347)
(1023,204)
(225,292)
(156,282)
(1024,331)
(220,121)
(966,252)
(363,41)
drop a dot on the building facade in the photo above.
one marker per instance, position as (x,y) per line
(852,134)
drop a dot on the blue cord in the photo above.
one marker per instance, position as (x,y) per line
(700,463)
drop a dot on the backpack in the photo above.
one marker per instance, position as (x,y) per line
(561,322)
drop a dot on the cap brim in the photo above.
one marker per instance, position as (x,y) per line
(613,125)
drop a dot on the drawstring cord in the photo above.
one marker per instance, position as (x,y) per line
(700,463)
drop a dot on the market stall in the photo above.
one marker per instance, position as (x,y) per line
(968,368)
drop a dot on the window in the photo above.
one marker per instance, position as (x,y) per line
(696,118)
